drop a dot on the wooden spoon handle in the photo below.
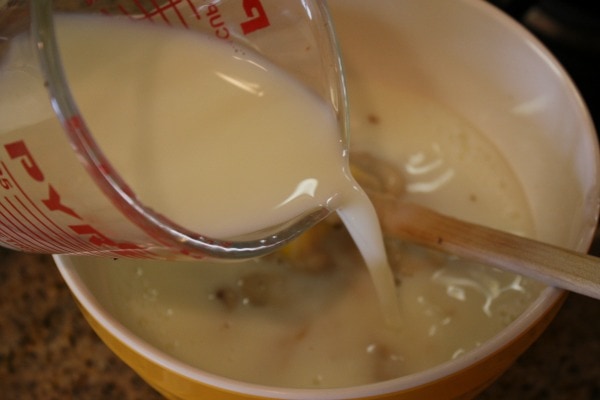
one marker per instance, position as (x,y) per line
(546,263)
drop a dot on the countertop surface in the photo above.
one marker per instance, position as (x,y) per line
(47,350)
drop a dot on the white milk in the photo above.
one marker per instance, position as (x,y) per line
(211,136)
(218,140)
(269,323)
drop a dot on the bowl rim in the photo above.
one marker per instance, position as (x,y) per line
(547,299)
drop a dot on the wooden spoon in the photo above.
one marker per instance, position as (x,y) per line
(546,263)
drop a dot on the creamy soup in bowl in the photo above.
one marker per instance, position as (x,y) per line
(480,123)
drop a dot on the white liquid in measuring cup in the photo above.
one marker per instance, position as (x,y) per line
(213,137)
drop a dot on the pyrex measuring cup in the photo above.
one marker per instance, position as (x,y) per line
(60,194)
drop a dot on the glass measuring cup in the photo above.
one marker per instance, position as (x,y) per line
(62,195)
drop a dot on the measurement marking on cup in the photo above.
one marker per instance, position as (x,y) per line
(81,236)
(15,185)
(23,234)
(191,5)
(16,228)
(63,237)
(174,12)
(160,11)
(60,234)
(8,233)
(24,225)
